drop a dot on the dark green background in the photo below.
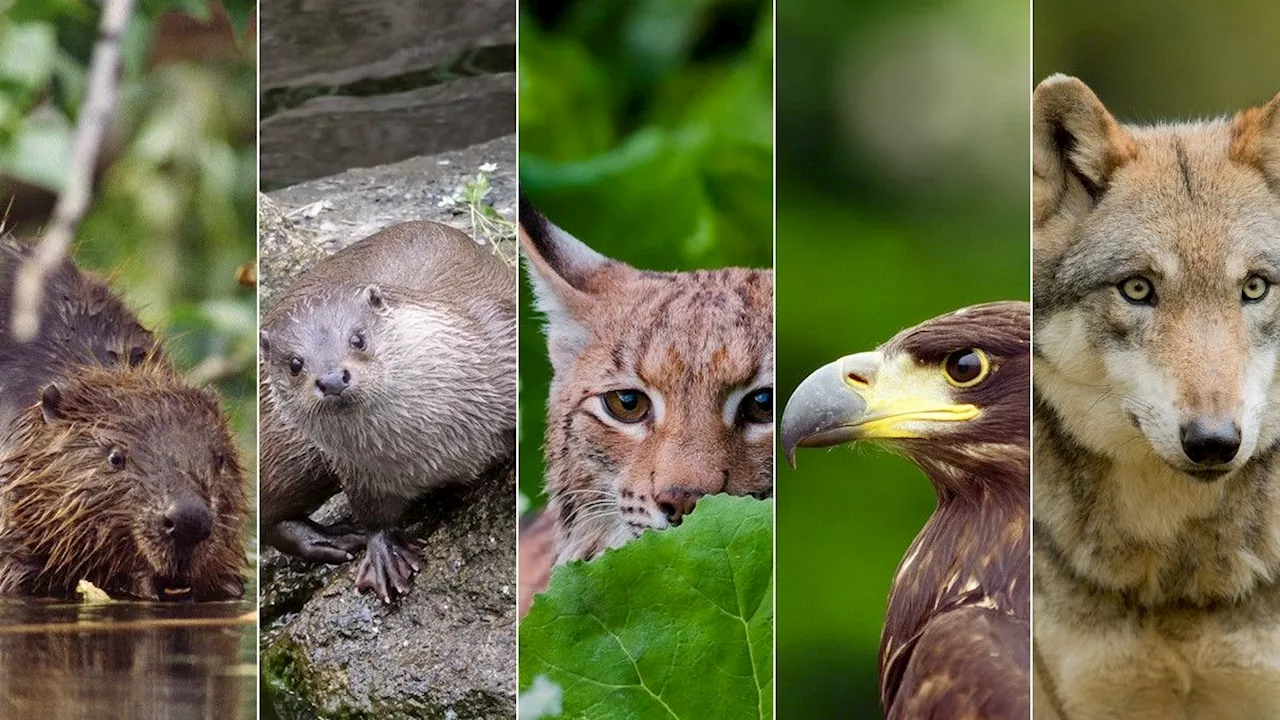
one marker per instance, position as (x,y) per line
(903,193)
(645,131)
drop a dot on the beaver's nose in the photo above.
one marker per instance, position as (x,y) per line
(335,382)
(188,521)
(1211,440)
(676,502)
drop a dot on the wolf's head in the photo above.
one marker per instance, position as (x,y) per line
(1155,251)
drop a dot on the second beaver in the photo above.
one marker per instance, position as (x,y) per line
(388,369)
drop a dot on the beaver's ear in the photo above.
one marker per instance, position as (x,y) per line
(51,404)
(1256,139)
(264,341)
(376,298)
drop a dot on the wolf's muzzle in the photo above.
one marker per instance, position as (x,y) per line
(1211,440)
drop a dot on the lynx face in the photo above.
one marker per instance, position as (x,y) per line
(662,393)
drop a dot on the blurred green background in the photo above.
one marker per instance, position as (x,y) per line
(173,215)
(1150,60)
(903,193)
(645,131)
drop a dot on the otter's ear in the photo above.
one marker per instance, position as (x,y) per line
(1076,145)
(264,341)
(51,404)
(560,269)
(1256,139)
(376,298)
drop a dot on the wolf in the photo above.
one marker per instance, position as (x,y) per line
(1156,473)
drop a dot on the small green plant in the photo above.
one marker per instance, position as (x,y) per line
(485,221)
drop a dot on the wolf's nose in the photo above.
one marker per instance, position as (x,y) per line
(676,502)
(1210,441)
(188,521)
(335,382)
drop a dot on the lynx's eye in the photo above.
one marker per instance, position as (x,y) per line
(757,407)
(966,368)
(1255,288)
(1138,290)
(357,340)
(295,364)
(628,406)
(115,459)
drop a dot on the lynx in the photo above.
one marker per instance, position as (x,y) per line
(662,393)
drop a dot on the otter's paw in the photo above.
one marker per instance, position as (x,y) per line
(388,567)
(311,541)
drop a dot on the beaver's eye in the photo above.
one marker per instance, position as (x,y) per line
(115,458)
(295,364)
(966,368)
(1138,290)
(1255,288)
(220,462)
(136,356)
(757,407)
(628,406)
(357,341)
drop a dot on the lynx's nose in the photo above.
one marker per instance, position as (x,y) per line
(335,382)
(1211,440)
(676,502)
(187,521)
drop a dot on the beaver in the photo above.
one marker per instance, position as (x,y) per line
(112,469)
(388,370)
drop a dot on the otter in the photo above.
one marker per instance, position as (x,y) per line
(389,369)
(112,469)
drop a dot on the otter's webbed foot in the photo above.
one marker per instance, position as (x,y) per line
(311,541)
(388,567)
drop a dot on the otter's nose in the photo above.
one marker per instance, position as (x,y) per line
(188,521)
(676,502)
(1211,440)
(335,382)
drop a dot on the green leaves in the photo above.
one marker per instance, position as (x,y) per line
(677,624)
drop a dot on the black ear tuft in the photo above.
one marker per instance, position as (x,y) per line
(51,404)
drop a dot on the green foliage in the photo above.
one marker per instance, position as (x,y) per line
(645,145)
(173,215)
(677,624)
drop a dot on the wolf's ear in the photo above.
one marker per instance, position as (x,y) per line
(560,269)
(1076,142)
(1255,138)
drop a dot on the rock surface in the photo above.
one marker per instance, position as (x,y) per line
(447,650)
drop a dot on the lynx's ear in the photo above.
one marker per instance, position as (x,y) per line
(1256,139)
(1076,145)
(560,269)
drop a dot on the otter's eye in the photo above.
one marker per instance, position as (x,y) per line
(357,341)
(115,458)
(1138,290)
(1255,288)
(628,406)
(966,368)
(757,407)
(295,364)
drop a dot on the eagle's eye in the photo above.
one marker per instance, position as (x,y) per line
(966,368)
(628,406)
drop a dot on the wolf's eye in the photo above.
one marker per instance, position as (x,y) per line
(757,407)
(966,368)
(1255,288)
(115,459)
(357,340)
(628,406)
(295,364)
(1137,289)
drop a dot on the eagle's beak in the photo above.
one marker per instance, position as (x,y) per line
(859,398)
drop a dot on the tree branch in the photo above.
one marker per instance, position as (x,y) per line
(91,127)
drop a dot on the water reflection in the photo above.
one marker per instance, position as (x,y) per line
(127,660)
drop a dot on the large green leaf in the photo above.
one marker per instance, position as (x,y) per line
(677,624)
